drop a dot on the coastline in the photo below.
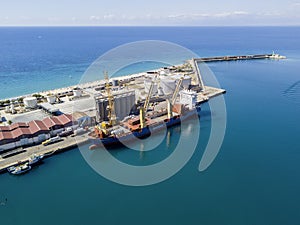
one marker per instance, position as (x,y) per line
(91,84)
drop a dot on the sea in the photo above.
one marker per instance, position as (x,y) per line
(254,178)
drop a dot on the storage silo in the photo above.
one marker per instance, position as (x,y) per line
(147,83)
(130,102)
(7,109)
(122,104)
(168,85)
(118,107)
(30,102)
(77,93)
(51,99)
(12,108)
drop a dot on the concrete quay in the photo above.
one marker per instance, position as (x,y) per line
(66,144)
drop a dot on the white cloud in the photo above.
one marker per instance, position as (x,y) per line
(270,14)
(175,16)
(105,17)
(240,13)
(295,4)
(109,16)
(94,18)
(229,14)
(207,15)
(53,19)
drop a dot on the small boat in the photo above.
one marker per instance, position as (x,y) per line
(19,169)
(34,159)
(276,56)
(10,169)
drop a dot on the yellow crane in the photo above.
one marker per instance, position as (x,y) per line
(144,108)
(111,108)
(171,102)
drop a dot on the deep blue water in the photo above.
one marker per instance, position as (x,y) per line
(255,177)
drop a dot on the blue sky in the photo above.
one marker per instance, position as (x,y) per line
(149,13)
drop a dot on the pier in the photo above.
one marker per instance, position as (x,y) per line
(68,143)
(239,57)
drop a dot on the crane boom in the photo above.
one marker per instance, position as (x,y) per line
(173,100)
(144,108)
(111,108)
(147,100)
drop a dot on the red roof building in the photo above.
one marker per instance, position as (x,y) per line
(18,131)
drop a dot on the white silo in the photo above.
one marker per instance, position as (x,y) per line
(30,102)
(147,83)
(51,99)
(12,108)
(162,73)
(123,105)
(117,105)
(168,85)
(7,109)
(130,103)
(77,93)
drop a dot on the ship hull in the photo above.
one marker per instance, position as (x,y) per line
(113,141)
(116,141)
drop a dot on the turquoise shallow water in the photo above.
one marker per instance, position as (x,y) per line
(253,180)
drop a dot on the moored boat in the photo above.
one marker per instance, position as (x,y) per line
(20,169)
(34,159)
(130,130)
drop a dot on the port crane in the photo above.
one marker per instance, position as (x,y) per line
(171,102)
(111,107)
(143,109)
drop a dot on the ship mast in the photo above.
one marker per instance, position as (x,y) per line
(111,107)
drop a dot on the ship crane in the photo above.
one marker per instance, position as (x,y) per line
(143,109)
(171,102)
(111,108)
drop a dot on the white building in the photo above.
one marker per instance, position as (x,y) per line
(188,98)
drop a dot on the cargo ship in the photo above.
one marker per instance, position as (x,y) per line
(131,129)
(110,133)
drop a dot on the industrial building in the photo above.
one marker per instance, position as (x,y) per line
(123,103)
(30,102)
(188,98)
(24,134)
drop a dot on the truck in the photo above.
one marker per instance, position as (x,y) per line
(79,131)
(52,140)
(68,131)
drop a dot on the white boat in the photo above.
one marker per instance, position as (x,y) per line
(19,169)
(276,56)
(10,169)
(35,159)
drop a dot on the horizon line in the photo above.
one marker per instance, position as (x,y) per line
(71,25)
